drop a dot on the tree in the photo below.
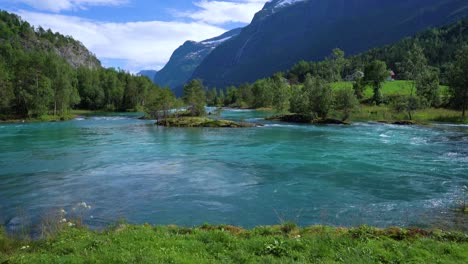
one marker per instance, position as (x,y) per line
(337,64)
(375,74)
(90,89)
(427,87)
(160,102)
(358,86)
(211,97)
(298,102)
(6,89)
(423,78)
(346,101)
(320,97)
(280,88)
(458,80)
(194,97)
(263,95)
(231,96)
(408,104)
(246,98)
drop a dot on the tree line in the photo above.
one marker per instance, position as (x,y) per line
(36,81)
(313,95)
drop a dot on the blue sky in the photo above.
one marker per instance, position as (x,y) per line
(135,34)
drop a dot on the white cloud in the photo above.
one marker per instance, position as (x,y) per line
(221,12)
(141,44)
(59,5)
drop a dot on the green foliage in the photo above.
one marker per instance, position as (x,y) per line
(280,89)
(359,86)
(346,101)
(459,80)
(262,93)
(35,82)
(427,87)
(320,97)
(375,74)
(194,97)
(407,104)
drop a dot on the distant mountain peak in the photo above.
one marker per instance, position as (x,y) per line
(186,59)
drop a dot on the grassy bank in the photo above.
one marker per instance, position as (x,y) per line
(398,87)
(385,113)
(228,244)
(46,118)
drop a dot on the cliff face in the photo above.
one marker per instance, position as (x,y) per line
(20,35)
(287,31)
(78,56)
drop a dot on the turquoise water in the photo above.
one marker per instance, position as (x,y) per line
(128,168)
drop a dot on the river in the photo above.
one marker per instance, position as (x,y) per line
(122,167)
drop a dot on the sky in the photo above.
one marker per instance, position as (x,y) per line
(135,35)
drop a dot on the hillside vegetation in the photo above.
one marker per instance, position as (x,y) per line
(43,75)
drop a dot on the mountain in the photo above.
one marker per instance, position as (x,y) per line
(20,35)
(287,31)
(148,73)
(186,59)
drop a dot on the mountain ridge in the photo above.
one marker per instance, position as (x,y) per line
(186,59)
(308,30)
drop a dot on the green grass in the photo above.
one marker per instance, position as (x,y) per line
(399,87)
(385,113)
(228,244)
(200,122)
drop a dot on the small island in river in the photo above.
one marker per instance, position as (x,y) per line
(202,122)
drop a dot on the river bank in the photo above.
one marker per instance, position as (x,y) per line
(285,243)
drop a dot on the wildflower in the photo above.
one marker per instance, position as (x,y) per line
(24,247)
(70,224)
(63,220)
(62,211)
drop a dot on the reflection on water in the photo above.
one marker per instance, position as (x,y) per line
(128,168)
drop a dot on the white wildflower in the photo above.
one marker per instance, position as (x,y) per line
(24,247)
(63,220)
(70,224)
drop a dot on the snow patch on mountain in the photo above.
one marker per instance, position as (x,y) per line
(216,42)
(283,3)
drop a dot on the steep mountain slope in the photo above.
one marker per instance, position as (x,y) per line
(19,35)
(186,59)
(286,31)
(148,73)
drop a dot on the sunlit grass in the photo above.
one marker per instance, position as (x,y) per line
(228,244)
(398,87)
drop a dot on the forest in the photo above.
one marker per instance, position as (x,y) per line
(35,80)
(434,58)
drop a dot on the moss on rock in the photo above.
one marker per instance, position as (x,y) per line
(201,122)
